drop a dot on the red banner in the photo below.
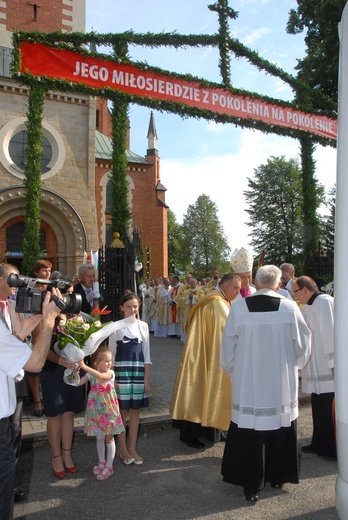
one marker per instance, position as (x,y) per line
(40,60)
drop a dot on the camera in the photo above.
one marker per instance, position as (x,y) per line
(29,298)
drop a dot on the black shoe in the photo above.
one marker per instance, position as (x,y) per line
(251,496)
(39,411)
(328,457)
(223,436)
(195,443)
(308,449)
(276,486)
(18,494)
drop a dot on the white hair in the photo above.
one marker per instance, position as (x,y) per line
(289,266)
(268,276)
(84,267)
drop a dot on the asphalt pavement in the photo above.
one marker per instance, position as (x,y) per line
(175,482)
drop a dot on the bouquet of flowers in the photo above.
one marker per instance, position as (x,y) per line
(80,336)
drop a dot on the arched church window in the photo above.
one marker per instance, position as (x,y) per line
(14,239)
(108,205)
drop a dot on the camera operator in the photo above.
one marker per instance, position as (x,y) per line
(8,317)
(15,355)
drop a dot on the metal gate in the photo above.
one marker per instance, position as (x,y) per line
(117,274)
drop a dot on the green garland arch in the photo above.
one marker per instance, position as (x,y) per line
(307,99)
(78,41)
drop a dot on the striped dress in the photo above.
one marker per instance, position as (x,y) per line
(131,346)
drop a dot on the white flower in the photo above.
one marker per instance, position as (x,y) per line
(85,326)
(62,323)
(97,324)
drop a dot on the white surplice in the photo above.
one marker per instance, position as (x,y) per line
(317,376)
(261,352)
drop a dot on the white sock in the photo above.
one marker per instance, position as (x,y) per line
(110,453)
(101,448)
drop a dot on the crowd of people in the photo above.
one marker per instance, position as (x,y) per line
(239,373)
(111,387)
(238,379)
(168,303)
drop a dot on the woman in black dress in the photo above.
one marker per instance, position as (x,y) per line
(61,402)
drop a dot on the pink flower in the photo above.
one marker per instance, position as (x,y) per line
(91,404)
(103,421)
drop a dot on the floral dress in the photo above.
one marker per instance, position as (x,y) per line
(102,414)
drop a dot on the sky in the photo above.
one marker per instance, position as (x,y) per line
(200,157)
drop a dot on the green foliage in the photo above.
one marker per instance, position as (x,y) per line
(120,212)
(32,181)
(312,198)
(314,88)
(319,68)
(224,13)
(204,237)
(178,259)
(275,199)
(79,43)
(327,234)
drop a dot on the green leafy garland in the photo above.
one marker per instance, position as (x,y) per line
(119,43)
(310,205)
(120,212)
(78,41)
(224,12)
(32,180)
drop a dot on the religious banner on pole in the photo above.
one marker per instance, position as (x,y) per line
(44,61)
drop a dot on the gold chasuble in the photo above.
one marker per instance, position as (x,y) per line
(202,391)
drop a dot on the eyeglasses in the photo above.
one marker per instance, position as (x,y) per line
(300,289)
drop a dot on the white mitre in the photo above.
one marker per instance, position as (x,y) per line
(242,261)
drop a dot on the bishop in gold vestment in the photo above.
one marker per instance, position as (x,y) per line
(202,391)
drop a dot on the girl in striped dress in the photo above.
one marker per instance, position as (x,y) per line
(131,346)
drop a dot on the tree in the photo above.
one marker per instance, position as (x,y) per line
(329,233)
(204,237)
(178,258)
(275,211)
(319,68)
(327,237)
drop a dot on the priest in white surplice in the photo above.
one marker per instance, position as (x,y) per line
(264,343)
(318,374)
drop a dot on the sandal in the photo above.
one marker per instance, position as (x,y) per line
(99,468)
(71,469)
(106,473)
(57,474)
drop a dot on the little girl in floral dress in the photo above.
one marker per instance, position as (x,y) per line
(102,416)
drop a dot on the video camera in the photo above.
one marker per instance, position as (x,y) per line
(29,299)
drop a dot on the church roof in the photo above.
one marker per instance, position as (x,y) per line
(152,127)
(103,150)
